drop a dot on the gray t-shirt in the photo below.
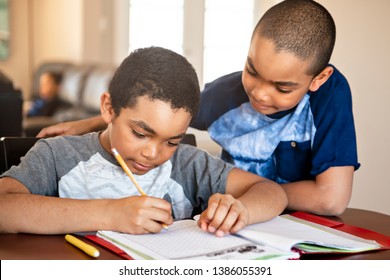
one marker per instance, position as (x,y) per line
(78,167)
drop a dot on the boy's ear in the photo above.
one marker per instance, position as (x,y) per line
(321,78)
(106,109)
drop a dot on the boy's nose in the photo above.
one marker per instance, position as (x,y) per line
(260,94)
(150,151)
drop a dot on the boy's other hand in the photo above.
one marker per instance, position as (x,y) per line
(64,128)
(224,215)
(73,127)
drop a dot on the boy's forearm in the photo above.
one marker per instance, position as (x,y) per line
(309,197)
(48,215)
(97,123)
(264,201)
(328,194)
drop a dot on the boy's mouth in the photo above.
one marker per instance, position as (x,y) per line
(258,106)
(141,167)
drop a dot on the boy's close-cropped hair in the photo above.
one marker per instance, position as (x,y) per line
(56,76)
(303,28)
(159,74)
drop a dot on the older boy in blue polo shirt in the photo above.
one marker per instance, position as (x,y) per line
(288,116)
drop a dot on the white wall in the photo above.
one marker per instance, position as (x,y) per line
(56,30)
(362,53)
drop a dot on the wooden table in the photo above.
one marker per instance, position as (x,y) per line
(48,247)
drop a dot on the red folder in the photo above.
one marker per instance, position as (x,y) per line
(109,246)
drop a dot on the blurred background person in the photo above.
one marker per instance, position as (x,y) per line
(48,101)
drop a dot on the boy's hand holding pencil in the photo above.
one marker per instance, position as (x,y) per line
(131,176)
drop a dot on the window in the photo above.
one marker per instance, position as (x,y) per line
(156,23)
(227,31)
(217,32)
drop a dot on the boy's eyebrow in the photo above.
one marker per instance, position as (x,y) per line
(249,60)
(150,130)
(144,126)
(286,84)
(278,83)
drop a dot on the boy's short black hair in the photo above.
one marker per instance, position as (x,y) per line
(157,73)
(303,28)
(56,76)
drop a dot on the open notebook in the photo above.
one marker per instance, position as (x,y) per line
(284,237)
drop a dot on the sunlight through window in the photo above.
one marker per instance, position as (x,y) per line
(228,25)
(156,23)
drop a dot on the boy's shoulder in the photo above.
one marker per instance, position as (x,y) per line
(227,85)
(71,145)
(231,78)
(334,92)
(71,139)
(190,156)
(68,151)
(199,172)
(186,151)
(218,97)
(336,79)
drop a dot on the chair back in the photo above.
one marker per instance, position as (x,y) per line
(12,149)
(189,139)
(11,104)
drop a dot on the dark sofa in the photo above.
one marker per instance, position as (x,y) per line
(81,88)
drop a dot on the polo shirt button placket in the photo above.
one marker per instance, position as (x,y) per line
(293,144)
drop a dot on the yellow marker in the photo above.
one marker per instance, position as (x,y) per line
(130,174)
(88,249)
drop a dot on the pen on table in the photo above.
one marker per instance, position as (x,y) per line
(88,249)
(130,174)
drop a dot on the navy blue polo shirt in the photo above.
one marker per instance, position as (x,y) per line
(287,146)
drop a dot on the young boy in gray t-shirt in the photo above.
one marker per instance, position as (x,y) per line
(73,183)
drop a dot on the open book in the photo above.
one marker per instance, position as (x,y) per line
(283,237)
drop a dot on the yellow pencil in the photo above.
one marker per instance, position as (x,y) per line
(127,170)
(130,174)
(88,249)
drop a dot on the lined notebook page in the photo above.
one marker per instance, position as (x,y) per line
(185,240)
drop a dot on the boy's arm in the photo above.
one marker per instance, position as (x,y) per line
(328,194)
(74,127)
(249,199)
(21,211)
(263,198)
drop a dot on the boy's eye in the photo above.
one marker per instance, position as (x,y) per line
(138,134)
(173,143)
(141,136)
(250,71)
(283,90)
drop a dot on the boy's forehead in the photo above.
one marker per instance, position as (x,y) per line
(157,115)
(263,54)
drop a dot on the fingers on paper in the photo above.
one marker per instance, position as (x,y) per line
(224,215)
